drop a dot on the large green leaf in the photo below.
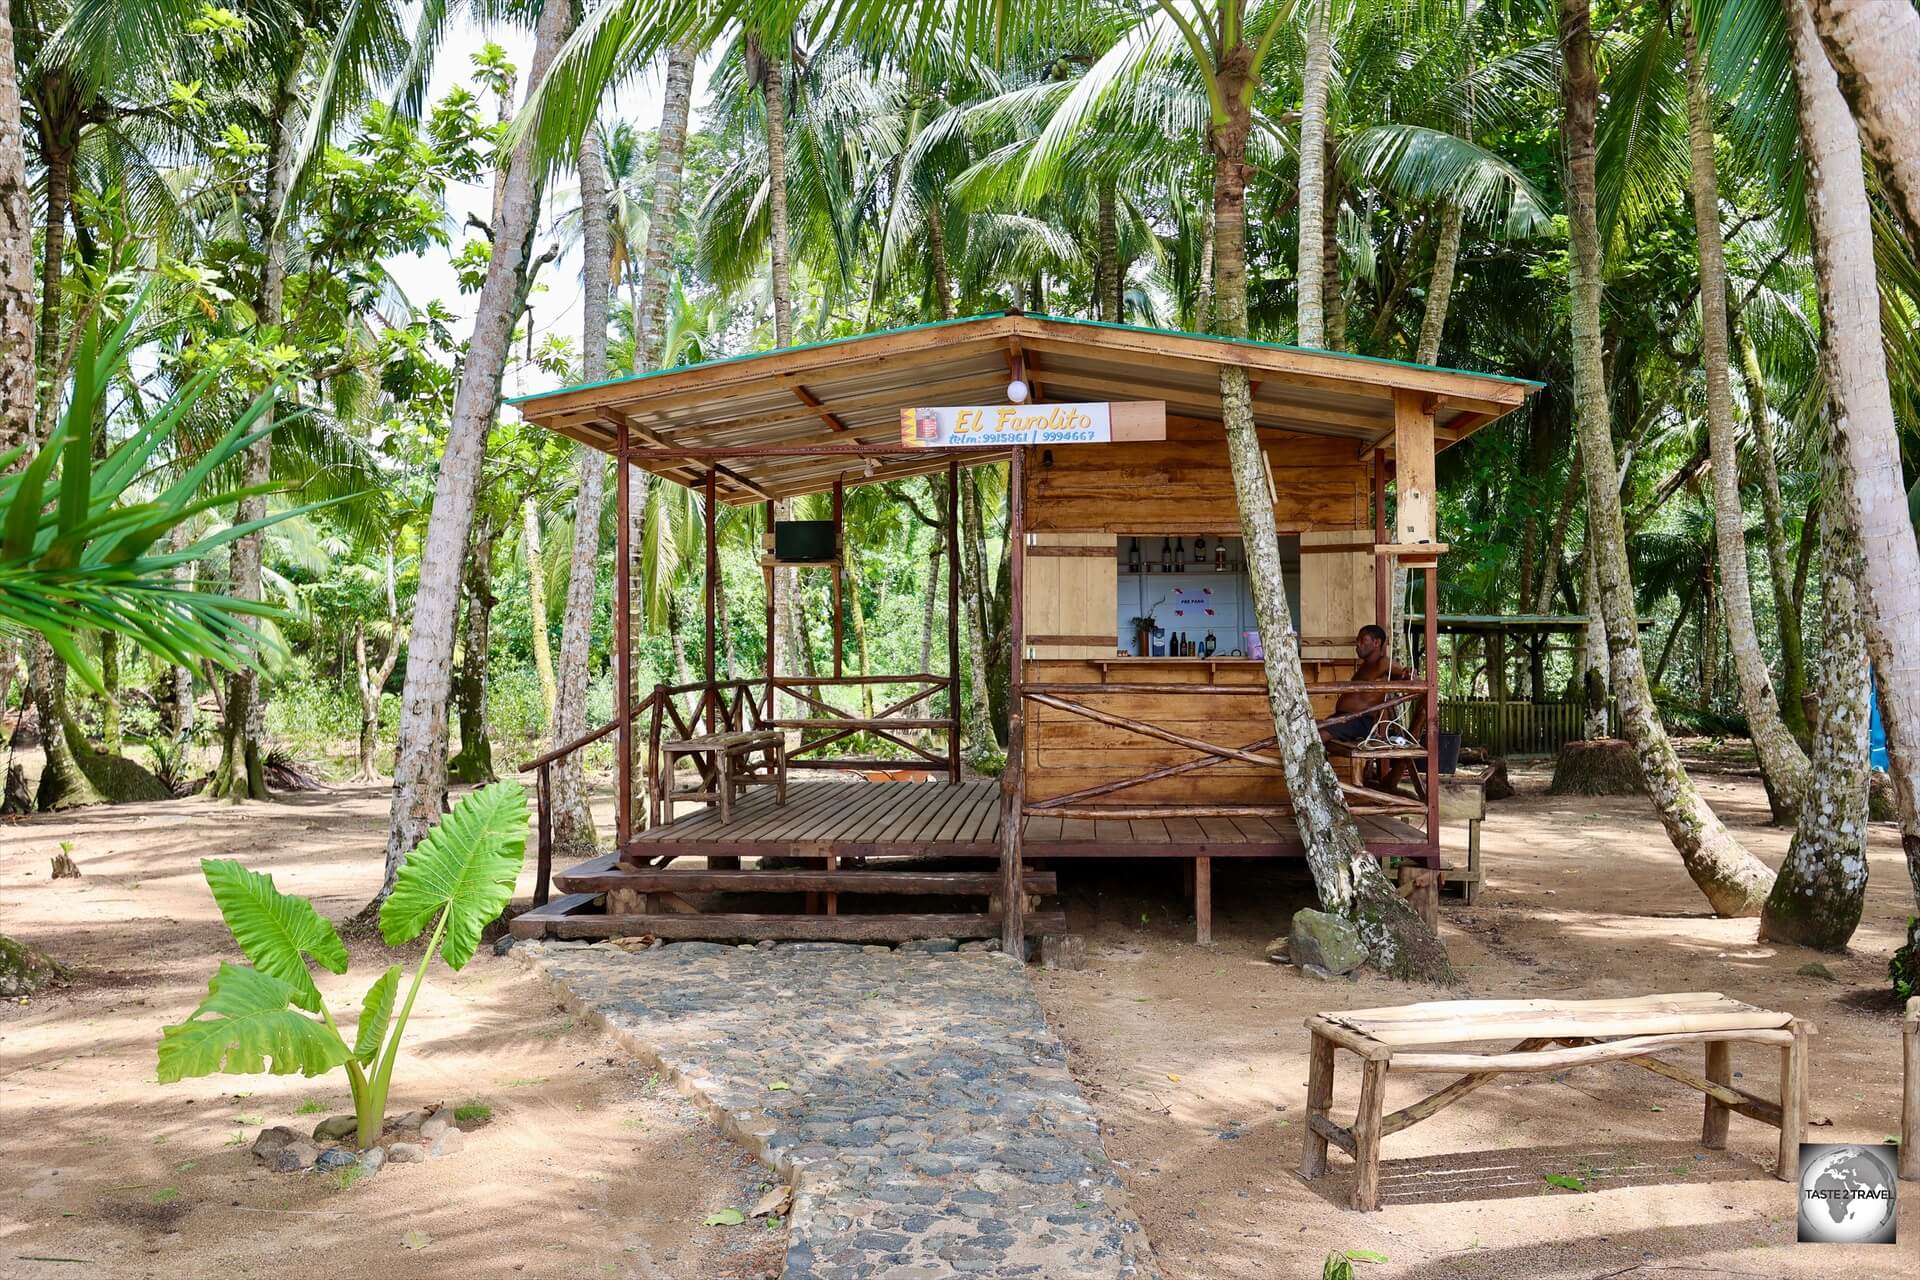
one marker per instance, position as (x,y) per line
(276,931)
(467,864)
(253,1031)
(375,1011)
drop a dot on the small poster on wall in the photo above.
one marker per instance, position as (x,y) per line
(999,426)
(1193,602)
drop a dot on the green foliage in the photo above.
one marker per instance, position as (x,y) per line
(1339,1263)
(472,1113)
(1904,967)
(462,873)
(257,1018)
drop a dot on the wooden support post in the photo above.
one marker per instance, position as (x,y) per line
(1013,932)
(1203,901)
(1313,1152)
(1497,689)
(1713,1129)
(953,620)
(1910,1094)
(1432,656)
(773,577)
(623,649)
(839,575)
(1793,1103)
(1382,570)
(713,579)
(1366,1135)
(543,873)
(1412,468)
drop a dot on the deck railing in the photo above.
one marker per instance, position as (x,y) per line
(1520,728)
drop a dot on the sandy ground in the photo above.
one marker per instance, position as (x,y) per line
(588,1167)
(1196,1060)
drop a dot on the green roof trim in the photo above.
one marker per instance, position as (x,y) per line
(1254,343)
(755,355)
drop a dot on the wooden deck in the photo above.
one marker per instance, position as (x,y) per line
(917,819)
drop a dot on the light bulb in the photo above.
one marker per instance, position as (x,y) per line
(1017,391)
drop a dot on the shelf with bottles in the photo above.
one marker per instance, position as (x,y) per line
(1179,553)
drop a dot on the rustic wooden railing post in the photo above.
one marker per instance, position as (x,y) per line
(953,620)
(623,648)
(543,870)
(1433,706)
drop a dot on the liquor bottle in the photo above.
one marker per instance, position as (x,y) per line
(1133,556)
(1220,557)
(1180,553)
(1200,549)
(1166,555)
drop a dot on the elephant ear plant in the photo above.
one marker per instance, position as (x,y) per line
(269,1016)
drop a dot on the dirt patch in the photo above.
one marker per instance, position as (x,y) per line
(1195,1059)
(587,1166)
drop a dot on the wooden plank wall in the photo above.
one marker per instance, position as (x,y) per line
(1089,496)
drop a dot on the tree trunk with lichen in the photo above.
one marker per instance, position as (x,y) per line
(1860,407)
(1733,880)
(1786,609)
(975,713)
(474,762)
(1822,886)
(1874,46)
(1348,878)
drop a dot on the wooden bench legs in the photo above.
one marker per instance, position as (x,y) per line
(1713,1128)
(1313,1155)
(1793,1104)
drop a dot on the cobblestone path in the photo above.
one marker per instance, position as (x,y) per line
(927,1122)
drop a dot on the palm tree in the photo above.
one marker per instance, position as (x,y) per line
(1861,406)
(419,764)
(17,374)
(1875,48)
(1733,880)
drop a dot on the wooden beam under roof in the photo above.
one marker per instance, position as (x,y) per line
(812,402)
(700,473)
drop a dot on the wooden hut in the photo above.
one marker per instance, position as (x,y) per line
(1126,738)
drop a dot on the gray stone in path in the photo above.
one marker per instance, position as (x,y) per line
(928,1124)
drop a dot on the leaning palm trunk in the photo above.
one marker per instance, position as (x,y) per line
(1446,257)
(17,375)
(1733,880)
(573,832)
(1348,878)
(1782,762)
(1861,408)
(1817,899)
(1593,663)
(1786,611)
(1874,45)
(474,763)
(1317,71)
(669,151)
(420,777)
(775,88)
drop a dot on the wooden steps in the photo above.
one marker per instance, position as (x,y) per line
(566,918)
(590,886)
(606,872)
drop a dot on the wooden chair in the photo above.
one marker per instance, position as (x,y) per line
(1552,1036)
(724,767)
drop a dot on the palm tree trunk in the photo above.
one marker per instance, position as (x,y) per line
(942,274)
(1861,409)
(1782,761)
(928,613)
(775,90)
(1110,268)
(859,632)
(1333,294)
(1594,662)
(1733,880)
(670,148)
(1315,73)
(17,370)
(1786,610)
(976,714)
(1446,257)
(111,740)
(1874,46)
(180,679)
(420,760)
(573,831)
(537,610)
(1348,878)
(1822,887)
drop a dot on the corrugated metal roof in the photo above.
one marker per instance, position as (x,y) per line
(836,396)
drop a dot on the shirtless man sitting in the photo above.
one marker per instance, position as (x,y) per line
(1370,646)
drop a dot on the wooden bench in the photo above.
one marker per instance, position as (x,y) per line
(724,766)
(1552,1035)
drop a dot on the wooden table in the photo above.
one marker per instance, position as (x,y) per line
(1552,1035)
(724,766)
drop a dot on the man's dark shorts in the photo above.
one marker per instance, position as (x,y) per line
(1354,730)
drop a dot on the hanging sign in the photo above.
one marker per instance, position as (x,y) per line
(1189,600)
(1000,426)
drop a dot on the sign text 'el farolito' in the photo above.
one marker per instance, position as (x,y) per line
(1001,426)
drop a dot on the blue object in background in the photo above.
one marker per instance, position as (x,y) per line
(1876,732)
